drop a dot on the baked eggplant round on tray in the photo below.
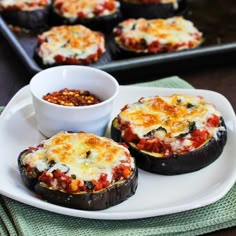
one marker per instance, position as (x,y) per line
(171,135)
(28,14)
(95,14)
(69,44)
(152,8)
(142,36)
(79,170)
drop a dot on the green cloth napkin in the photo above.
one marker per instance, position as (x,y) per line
(19,219)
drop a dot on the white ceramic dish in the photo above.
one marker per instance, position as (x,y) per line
(156,195)
(52,118)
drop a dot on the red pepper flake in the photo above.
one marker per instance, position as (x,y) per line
(71,97)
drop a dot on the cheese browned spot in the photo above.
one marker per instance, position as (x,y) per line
(174,120)
(24,5)
(75,44)
(73,9)
(85,156)
(157,35)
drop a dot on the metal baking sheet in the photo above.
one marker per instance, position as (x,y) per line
(214,18)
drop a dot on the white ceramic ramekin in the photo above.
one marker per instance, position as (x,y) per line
(52,118)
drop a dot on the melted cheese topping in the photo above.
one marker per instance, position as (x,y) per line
(174,33)
(71,9)
(74,41)
(24,5)
(85,155)
(169,117)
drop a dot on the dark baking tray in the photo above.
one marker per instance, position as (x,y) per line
(216,19)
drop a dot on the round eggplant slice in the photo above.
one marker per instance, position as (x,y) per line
(101,23)
(32,20)
(176,164)
(69,39)
(152,10)
(99,200)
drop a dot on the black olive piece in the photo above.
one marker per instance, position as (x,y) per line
(35,173)
(181,135)
(67,168)
(161,128)
(88,153)
(133,27)
(73,176)
(152,132)
(192,127)
(89,185)
(189,105)
(179,100)
(51,163)
(143,42)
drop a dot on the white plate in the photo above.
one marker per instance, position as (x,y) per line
(156,195)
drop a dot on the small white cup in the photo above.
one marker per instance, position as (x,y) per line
(53,118)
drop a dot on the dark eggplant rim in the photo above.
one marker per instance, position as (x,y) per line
(177,164)
(100,23)
(125,52)
(34,20)
(162,10)
(100,200)
(39,60)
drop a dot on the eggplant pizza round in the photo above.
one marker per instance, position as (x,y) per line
(69,44)
(156,35)
(79,170)
(171,134)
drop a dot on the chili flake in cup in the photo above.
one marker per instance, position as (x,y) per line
(72,97)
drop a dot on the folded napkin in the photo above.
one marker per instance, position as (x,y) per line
(19,219)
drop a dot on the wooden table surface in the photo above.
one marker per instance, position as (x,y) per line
(217,72)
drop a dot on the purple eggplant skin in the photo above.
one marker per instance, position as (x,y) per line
(120,53)
(179,163)
(92,201)
(32,20)
(99,23)
(152,10)
(27,180)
